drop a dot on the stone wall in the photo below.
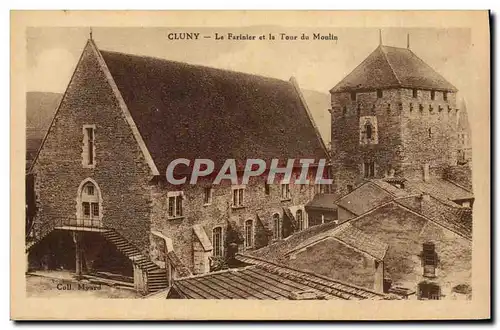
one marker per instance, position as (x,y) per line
(120,171)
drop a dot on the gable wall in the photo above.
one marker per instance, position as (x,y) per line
(120,171)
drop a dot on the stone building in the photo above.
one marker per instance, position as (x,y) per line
(388,238)
(393,115)
(99,175)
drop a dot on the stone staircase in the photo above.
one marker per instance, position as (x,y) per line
(157,279)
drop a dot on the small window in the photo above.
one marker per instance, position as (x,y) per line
(411,107)
(86,208)
(276,226)
(445,96)
(249,233)
(95,209)
(431,108)
(421,107)
(415,93)
(344,110)
(300,219)
(267,188)
(88,146)
(429,130)
(430,291)
(353,96)
(433,95)
(207,196)
(175,205)
(368,131)
(238,197)
(388,108)
(369,169)
(90,189)
(379,93)
(319,188)
(217,241)
(285,191)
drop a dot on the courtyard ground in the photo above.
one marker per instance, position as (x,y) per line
(61,284)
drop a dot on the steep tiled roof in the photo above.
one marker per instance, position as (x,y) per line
(449,215)
(323,201)
(191,111)
(440,188)
(364,198)
(351,236)
(269,281)
(388,67)
(358,239)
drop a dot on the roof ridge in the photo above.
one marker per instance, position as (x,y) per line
(193,65)
(458,185)
(390,65)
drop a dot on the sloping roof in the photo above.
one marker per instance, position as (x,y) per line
(389,67)
(323,201)
(364,198)
(451,216)
(202,237)
(268,281)
(351,236)
(358,239)
(191,111)
(440,188)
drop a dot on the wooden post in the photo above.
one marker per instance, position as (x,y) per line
(78,255)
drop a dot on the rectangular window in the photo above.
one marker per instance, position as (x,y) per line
(267,188)
(175,207)
(415,93)
(353,96)
(276,226)
(248,233)
(379,93)
(207,198)
(217,241)
(238,197)
(88,145)
(171,206)
(445,96)
(433,95)
(285,191)
(90,189)
(86,208)
(95,209)
(369,169)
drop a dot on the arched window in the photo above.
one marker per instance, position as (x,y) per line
(300,219)
(89,207)
(277,226)
(249,233)
(368,130)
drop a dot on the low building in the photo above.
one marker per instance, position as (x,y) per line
(262,279)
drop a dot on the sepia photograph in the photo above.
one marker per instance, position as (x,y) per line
(262,162)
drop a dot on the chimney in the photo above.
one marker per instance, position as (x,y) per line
(425,173)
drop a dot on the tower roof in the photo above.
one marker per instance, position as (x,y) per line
(388,67)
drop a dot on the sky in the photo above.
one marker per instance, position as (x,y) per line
(318,65)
